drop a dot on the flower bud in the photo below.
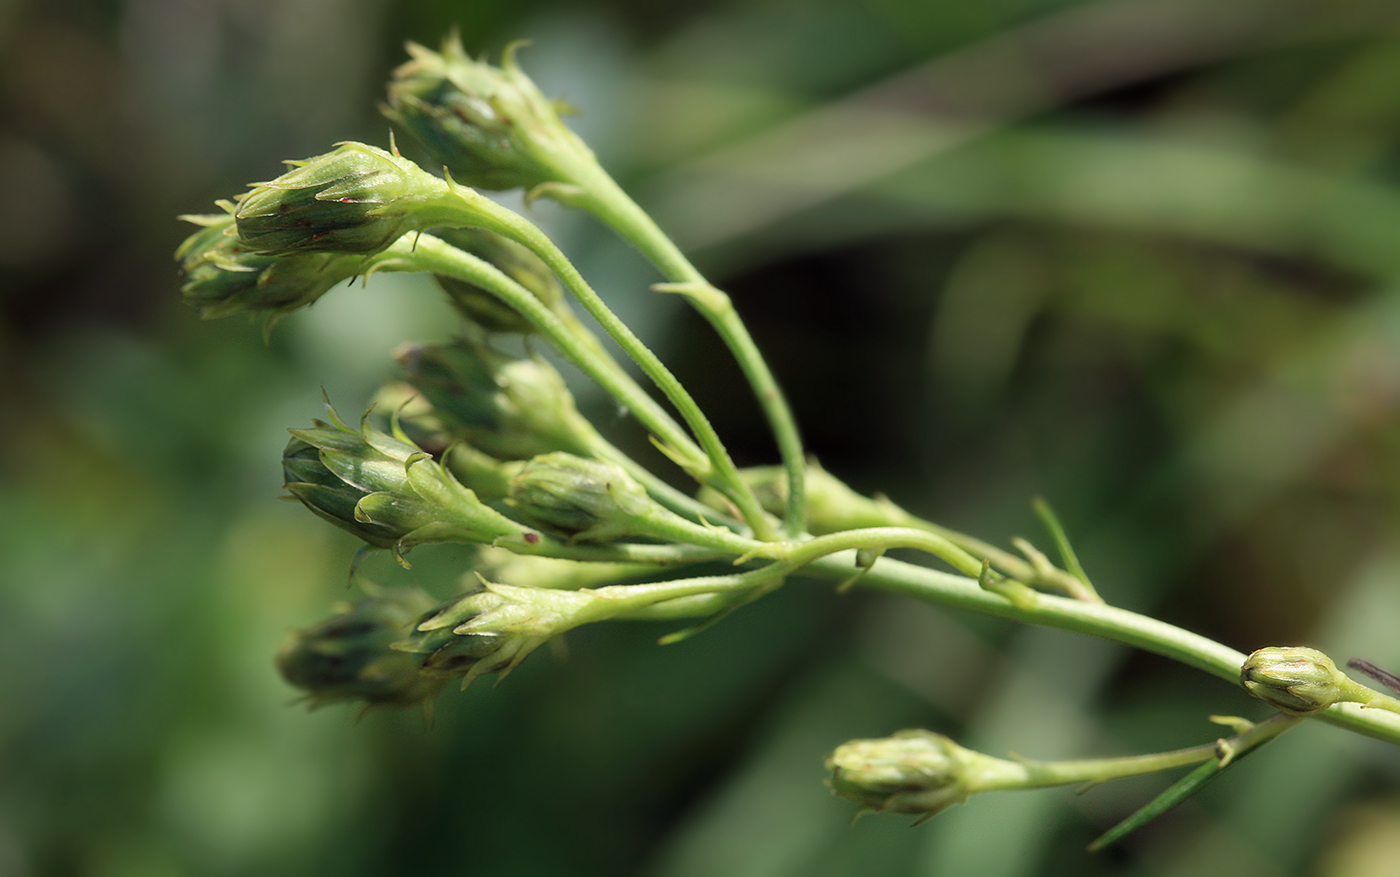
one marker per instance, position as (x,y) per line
(490,126)
(414,417)
(349,656)
(512,409)
(494,628)
(354,199)
(1296,680)
(221,276)
(515,261)
(386,491)
(910,772)
(581,499)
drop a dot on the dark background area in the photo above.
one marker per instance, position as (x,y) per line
(1139,258)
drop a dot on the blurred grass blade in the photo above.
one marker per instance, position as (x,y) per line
(1175,794)
(1193,782)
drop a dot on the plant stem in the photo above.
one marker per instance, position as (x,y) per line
(883,512)
(880,538)
(604,198)
(720,471)
(427,253)
(1042,774)
(1079,616)
(1233,750)
(638,598)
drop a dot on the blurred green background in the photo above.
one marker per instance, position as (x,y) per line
(1140,257)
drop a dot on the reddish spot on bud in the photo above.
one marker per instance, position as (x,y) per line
(532,538)
(346,200)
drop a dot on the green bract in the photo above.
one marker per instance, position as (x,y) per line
(490,126)
(354,199)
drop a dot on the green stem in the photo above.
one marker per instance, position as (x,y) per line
(1002,560)
(671,527)
(1232,751)
(1026,774)
(603,197)
(681,503)
(879,538)
(720,471)
(1092,619)
(427,253)
(579,346)
(539,545)
(1003,774)
(632,599)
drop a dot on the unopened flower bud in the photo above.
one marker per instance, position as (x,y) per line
(415,417)
(1296,680)
(384,490)
(515,261)
(354,199)
(222,276)
(490,126)
(494,628)
(581,499)
(909,772)
(510,408)
(349,656)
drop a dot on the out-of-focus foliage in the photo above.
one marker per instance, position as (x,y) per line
(1139,256)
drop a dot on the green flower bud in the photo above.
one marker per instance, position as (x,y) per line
(221,276)
(1296,680)
(349,656)
(494,628)
(384,490)
(581,499)
(354,199)
(510,408)
(514,260)
(910,772)
(488,477)
(490,126)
